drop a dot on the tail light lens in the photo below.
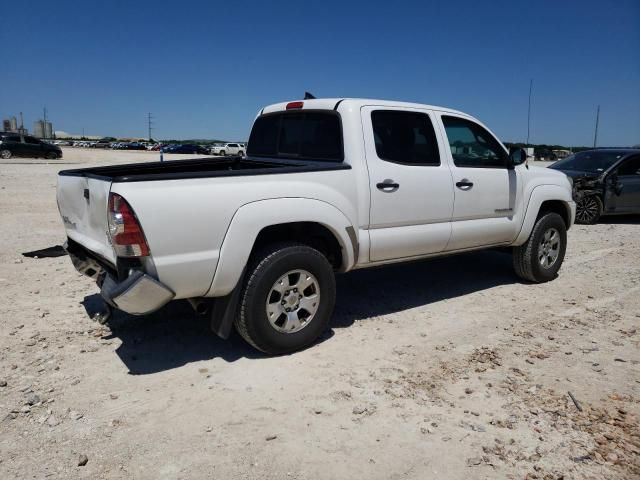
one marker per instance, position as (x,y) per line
(126,233)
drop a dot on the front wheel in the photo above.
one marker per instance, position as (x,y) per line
(222,153)
(241,153)
(588,210)
(287,298)
(540,257)
(52,155)
(6,154)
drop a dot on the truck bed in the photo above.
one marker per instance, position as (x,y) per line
(200,168)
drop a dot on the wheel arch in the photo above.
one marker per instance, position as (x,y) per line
(308,221)
(546,199)
(556,206)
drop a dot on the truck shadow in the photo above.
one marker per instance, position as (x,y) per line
(379,291)
(172,337)
(175,336)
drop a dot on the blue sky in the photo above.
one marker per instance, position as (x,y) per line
(205,68)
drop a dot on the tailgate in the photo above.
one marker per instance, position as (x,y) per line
(83,205)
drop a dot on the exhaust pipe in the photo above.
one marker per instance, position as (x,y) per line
(200,305)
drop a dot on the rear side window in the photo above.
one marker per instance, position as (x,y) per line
(11,138)
(405,137)
(304,135)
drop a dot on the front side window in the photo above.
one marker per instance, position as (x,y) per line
(31,140)
(630,167)
(303,135)
(405,137)
(472,146)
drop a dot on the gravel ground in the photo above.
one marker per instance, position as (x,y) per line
(450,368)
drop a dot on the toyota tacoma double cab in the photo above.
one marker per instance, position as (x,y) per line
(327,186)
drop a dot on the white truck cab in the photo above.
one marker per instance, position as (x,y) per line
(327,186)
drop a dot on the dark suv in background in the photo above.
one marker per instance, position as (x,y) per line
(605,182)
(16,145)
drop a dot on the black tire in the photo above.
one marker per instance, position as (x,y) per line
(589,210)
(263,272)
(241,153)
(526,257)
(6,154)
(222,153)
(52,155)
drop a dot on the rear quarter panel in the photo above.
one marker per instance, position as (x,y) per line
(185,221)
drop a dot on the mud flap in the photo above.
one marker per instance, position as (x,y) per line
(224,311)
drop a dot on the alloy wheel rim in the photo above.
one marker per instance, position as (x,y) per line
(293,301)
(549,248)
(587,209)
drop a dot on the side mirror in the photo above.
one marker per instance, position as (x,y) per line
(517,156)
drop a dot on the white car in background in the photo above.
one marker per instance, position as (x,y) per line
(228,149)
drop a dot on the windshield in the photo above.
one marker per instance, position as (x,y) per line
(593,161)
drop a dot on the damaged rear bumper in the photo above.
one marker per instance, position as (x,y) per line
(137,294)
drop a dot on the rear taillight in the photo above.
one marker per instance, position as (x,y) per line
(126,233)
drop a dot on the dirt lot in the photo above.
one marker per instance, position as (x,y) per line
(449,368)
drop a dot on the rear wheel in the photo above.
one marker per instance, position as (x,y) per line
(241,153)
(287,298)
(5,153)
(588,210)
(541,256)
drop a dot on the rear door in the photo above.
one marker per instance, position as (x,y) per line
(485,189)
(14,144)
(410,183)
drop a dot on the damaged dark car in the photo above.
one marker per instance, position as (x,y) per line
(605,182)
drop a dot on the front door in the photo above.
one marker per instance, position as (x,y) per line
(33,146)
(485,189)
(628,177)
(410,184)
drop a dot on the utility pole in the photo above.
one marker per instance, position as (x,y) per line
(595,135)
(149,124)
(529,111)
(44,122)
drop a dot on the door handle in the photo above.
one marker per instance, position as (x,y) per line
(464,184)
(388,185)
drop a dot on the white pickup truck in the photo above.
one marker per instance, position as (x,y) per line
(329,185)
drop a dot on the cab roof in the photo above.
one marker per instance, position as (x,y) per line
(351,103)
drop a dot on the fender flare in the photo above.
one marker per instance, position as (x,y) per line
(250,219)
(538,196)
